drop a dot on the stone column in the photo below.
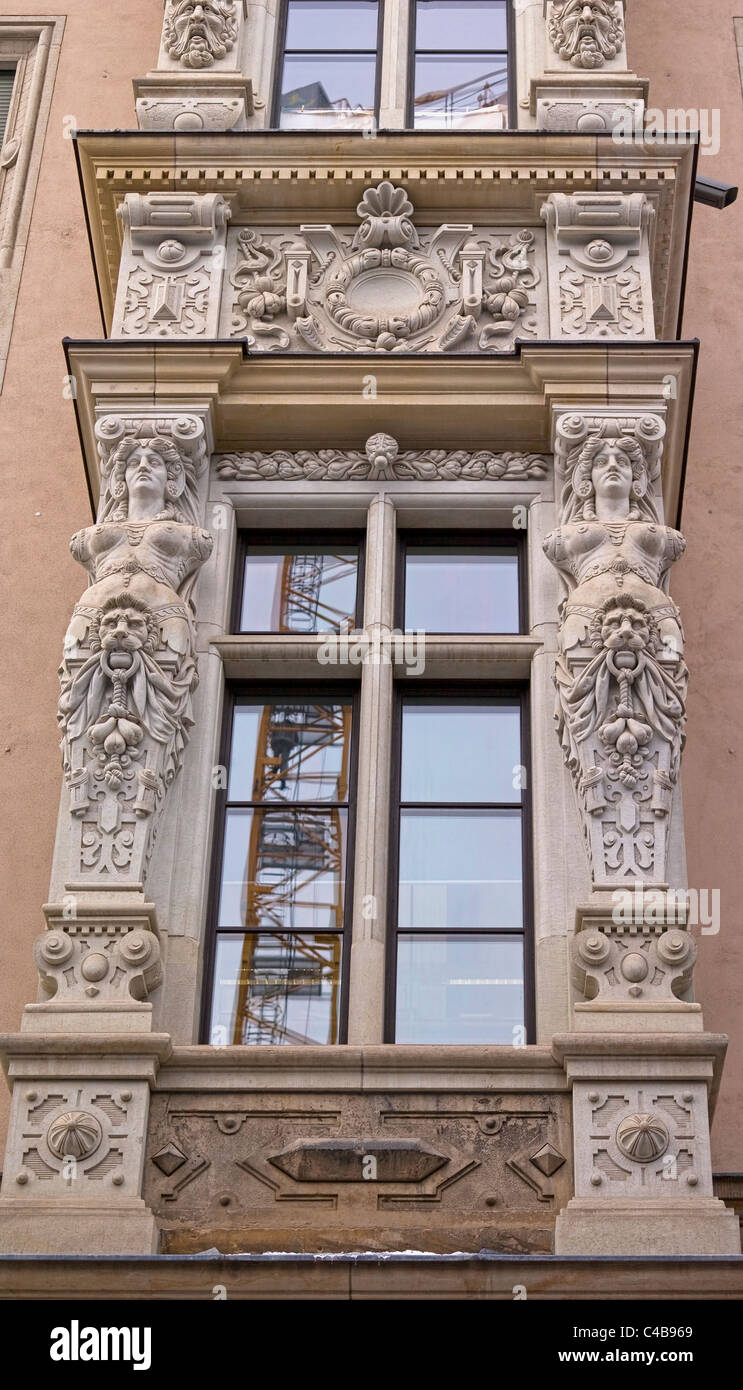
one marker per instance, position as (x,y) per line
(641,1069)
(200,82)
(370,926)
(86,1057)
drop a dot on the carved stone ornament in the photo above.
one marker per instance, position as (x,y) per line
(197,33)
(620,675)
(638,961)
(172,265)
(381,460)
(129,668)
(76,1140)
(599,265)
(642,1138)
(586,33)
(385,287)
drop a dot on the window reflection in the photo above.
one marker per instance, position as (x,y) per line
(461,65)
(461,589)
(276,989)
(459,989)
(299,588)
(456,751)
(460,869)
(330,64)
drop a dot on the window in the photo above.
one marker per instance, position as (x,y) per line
(459,69)
(7,82)
(328,71)
(299,585)
(467,583)
(280,902)
(459,905)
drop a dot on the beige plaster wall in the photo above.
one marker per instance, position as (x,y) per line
(689,53)
(43,498)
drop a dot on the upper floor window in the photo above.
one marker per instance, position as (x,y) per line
(299,585)
(7,81)
(461,583)
(460,65)
(328,68)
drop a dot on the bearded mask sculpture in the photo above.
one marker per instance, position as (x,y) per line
(198,32)
(586,34)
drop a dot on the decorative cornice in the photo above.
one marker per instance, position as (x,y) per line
(381,459)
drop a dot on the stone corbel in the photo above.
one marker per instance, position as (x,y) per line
(598,257)
(200,82)
(172,265)
(634,957)
(585,84)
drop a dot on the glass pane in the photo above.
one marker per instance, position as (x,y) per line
(460,989)
(460,869)
(332,24)
(461,590)
(299,589)
(461,752)
(276,989)
(455,93)
(283,870)
(460,25)
(327,91)
(290,752)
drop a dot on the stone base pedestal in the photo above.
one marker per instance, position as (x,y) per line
(51,1228)
(700,1227)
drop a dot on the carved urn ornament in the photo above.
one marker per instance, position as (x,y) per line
(620,674)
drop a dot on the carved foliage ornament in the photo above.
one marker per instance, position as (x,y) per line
(586,33)
(620,674)
(198,32)
(387,288)
(381,460)
(129,668)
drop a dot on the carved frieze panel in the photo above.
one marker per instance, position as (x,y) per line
(385,285)
(642,1141)
(620,674)
(381,460)
(236,1170)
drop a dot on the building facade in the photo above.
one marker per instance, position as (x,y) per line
(370,927)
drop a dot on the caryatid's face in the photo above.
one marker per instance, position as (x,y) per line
(611,475)
(202,29)
(591,25)
(146,477)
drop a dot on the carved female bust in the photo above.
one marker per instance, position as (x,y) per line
(612,539)
(146,543)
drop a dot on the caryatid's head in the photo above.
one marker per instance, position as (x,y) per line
(198,32)
(608,471)
(150,470)
(587,32)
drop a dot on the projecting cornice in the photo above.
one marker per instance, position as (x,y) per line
(288,179)
(338,401)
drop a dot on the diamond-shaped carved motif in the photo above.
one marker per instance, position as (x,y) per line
(169,1159)
(547,1160)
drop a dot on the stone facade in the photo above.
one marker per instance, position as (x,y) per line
(376,335)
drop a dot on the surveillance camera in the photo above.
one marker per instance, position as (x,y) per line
(714,194)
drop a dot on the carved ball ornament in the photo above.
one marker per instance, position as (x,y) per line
(642,1137)
(74,1134)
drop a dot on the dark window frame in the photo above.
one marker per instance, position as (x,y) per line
(248,537)
(291,691)
(281,52)
(412,691)
(494,539)
(413,53)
